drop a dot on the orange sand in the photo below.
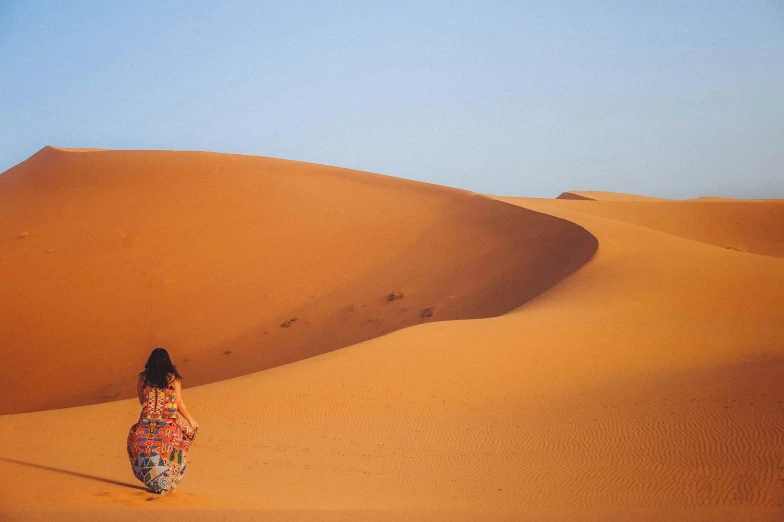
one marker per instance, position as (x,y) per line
(646,385)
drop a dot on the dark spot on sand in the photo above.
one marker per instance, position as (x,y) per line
(288,323)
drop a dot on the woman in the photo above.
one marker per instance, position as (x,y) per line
(158,444)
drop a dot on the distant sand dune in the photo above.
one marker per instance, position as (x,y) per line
(753,226)
(593,195)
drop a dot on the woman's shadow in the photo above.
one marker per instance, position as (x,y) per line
(74,473)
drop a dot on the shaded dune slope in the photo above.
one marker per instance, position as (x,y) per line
(239,263)
(644,386)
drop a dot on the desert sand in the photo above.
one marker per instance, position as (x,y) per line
(614,358)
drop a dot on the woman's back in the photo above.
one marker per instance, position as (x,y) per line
(159,403)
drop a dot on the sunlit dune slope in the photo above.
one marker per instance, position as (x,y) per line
(754,226)
(239,263)
(646,386)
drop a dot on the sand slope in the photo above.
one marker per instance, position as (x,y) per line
(647,385)
(116,252)
(754,226)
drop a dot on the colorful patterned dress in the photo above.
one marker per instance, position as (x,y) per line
(158,444)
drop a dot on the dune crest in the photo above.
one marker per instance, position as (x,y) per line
(239,263)
(80,149)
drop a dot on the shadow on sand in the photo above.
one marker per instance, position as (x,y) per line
(74,473)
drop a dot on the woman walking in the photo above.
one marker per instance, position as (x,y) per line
(158,443)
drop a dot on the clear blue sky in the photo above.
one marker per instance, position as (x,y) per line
(672,99)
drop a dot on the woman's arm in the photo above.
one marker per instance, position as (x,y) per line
(140,390)
(181,406)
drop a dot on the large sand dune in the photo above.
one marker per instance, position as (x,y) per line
(646,385)
(108,252)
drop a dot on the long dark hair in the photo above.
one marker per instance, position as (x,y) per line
(158,369)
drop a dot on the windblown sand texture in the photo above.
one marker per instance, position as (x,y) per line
(552,379)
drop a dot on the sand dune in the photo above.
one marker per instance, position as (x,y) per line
(646,386)
(239,264)
(753,226)
(595,195)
